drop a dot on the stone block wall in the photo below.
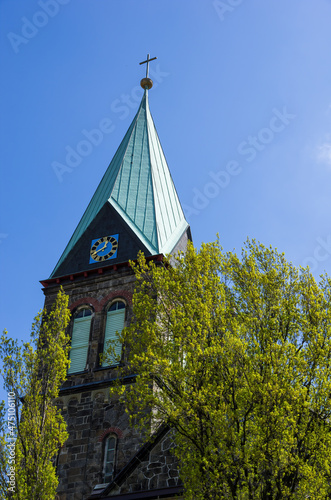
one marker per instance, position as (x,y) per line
(84,397)
(158,469)
(91,418)
(90,413)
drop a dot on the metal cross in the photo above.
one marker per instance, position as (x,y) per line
(147,61)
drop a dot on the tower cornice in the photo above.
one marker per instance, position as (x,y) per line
(60,280)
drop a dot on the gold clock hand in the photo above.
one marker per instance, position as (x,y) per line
(101,249)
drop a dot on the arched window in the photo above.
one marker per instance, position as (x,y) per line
(115,323)
(80,340)
(109,459)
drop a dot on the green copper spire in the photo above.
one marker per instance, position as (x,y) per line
(139,187)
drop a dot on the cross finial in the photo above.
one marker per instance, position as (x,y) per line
(147,61)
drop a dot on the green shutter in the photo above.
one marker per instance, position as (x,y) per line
(115,323)
(79,344)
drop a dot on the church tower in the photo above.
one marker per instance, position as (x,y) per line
(135,207)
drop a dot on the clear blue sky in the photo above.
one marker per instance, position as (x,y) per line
(242,107)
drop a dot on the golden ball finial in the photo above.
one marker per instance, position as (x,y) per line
(146,83)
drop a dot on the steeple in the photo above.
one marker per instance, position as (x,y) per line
(137,187)
(135,207)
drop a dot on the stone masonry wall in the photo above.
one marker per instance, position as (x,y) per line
(89,412)
(90,418)
(159,469)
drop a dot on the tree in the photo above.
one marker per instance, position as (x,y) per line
(234,354)
(33,374)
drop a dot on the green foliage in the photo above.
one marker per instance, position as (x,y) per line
(3,449)
(34,372)
(234,354)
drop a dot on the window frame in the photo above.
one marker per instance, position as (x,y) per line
(86,345)
(106,440)
(107,335)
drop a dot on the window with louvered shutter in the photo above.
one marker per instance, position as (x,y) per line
(80,341)
(109,459)
(115,323)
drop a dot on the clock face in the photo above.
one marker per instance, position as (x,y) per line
(104,248)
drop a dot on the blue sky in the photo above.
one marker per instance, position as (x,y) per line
(241,102)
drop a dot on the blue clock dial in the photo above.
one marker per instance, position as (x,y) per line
(104,248)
